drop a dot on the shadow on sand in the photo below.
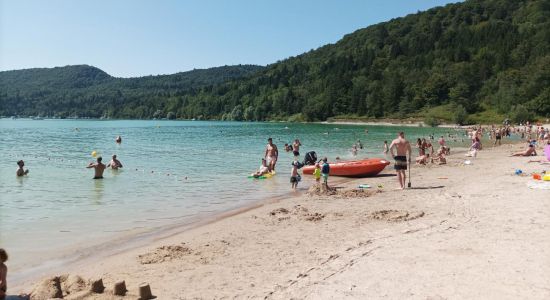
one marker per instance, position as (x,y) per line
(14,297)
(384,175)
(426,187)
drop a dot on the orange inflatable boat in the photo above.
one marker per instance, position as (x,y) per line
(354,168)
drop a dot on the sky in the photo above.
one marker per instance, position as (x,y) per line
(129,38)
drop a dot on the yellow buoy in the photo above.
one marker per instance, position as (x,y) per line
(94,154)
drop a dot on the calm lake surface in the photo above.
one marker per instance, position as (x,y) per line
(175,172)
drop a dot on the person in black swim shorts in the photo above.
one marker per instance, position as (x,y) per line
(403,148)
(400,162)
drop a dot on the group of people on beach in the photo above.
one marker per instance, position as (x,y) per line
(534,135)
(399,149)
(271,156)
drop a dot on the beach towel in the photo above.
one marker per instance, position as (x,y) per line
(539,185)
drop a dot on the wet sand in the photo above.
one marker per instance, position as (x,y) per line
(462,231)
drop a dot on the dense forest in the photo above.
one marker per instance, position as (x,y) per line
(85,91)
(475,61)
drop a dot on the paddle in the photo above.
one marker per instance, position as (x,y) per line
(409,184)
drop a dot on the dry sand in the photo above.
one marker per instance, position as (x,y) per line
(462,232)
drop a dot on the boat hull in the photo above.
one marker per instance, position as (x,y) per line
(355,168)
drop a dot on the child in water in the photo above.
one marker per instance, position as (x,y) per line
(3,274)
(294,176)
(317,173)
(20,170)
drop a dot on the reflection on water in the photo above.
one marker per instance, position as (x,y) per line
(98,191)
(173,171)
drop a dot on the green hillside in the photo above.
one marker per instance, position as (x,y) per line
(480,60)
(87,91)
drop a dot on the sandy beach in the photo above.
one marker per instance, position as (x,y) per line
(474,231)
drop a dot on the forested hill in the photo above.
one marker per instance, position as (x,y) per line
(480,60)
(87,91)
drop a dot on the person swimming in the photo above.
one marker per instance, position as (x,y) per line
(20,171)
(118,139)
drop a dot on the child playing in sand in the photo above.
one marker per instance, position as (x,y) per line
(325,170)
(3,274)
(440,156)
(317,173)
(423,159)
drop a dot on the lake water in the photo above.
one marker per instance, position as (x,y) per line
(175,172)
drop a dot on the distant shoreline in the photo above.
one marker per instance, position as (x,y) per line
(382,122)
(392,123)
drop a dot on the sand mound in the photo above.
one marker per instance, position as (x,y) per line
(47,289)
(164,253)
(395,215)
(297,211)
(321,190)
(71,284)
(279,211)
(357,193)
(73,287)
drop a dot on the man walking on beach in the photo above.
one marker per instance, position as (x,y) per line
(99,167)
(403,148)
(271,154)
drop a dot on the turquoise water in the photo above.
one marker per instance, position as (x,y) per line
(174,172)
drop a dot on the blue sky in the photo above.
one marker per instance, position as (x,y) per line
(135,38)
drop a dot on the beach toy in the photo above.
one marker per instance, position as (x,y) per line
(364,186)
(380,186)
(546,177)
(518,172)
(94,153)
(537,177)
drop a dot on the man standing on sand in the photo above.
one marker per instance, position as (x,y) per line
(99,168)
(271,154)
(403,147)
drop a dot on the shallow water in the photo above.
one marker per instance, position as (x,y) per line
(174,172)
